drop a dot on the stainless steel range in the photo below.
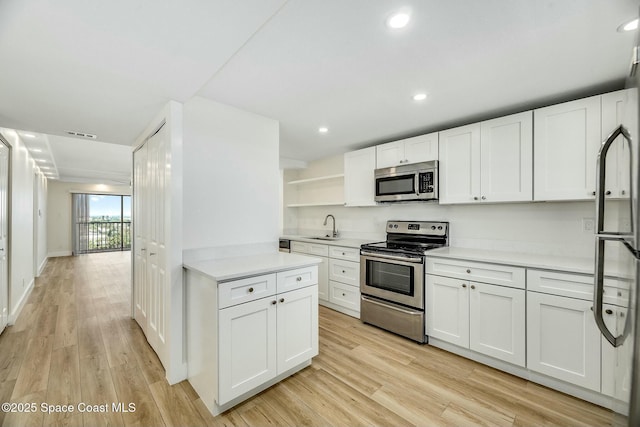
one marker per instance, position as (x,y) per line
(392,276)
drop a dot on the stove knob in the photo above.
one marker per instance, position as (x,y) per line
(433,227)
(395,225)
(439,227)
(390,226)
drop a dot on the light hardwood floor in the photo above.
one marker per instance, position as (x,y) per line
(75,343)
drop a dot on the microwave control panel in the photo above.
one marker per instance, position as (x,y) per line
(426,182)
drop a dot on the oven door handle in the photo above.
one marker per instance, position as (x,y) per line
(392,307)
(414,260)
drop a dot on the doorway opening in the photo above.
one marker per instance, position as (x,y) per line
(101,223)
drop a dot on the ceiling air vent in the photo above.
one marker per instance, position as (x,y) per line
(81,134)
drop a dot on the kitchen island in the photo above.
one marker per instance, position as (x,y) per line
(251,322)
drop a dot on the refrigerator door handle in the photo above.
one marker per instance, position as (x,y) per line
(598,291)
(602,236)
(601,169)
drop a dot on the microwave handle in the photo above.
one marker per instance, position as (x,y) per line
(416,184)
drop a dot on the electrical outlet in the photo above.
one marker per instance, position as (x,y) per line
(588,225)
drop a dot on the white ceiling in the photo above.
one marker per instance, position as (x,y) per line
(107,68)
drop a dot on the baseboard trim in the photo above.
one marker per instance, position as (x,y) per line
(15,312)
(59,253)
(42,266)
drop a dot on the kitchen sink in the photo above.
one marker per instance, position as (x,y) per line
(322,238)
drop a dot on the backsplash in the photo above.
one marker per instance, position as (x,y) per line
(540,228)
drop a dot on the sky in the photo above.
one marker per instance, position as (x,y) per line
(102,205)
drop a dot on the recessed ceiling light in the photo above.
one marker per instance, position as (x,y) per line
(628,26)
(323,129)
(41,161)
(419,96)
(45,167)
(36,150)
(398,20)
(28,135)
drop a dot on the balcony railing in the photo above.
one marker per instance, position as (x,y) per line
(103,236)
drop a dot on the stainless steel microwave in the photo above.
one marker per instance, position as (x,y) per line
(417,181)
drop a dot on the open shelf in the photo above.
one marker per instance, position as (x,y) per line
(319,178)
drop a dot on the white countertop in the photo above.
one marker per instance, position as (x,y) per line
(548,262)
(225,269)
(347,243)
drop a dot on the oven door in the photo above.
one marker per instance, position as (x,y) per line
(393,278)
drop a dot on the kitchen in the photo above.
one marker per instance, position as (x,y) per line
(196,222)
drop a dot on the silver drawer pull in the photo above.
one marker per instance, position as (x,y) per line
(281,299)
(274,302)
(250,290)
(464,285)
(468,271)
(299,279)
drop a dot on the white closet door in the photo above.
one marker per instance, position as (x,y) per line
(4,229)
(156,247)
(150,277)
(140,227)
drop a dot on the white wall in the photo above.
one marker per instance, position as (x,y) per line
(59,235)
(40,221)
(541,228)
(231,176)
(23,240)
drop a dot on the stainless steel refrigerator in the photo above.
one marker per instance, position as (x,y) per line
(618,256)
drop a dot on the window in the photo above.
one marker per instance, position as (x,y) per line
(101,223)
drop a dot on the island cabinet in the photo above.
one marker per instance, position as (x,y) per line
(488,162)
(246,334)
(477,306)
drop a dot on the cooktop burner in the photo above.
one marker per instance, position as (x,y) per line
(412,237)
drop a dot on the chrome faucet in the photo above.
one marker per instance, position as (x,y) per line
(334,232)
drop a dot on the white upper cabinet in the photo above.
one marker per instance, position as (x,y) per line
(359,183)
(489,161)
(420,148)
(567,140)
(617,172)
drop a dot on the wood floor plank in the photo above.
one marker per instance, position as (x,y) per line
(175,406)
(34,370)
(131,387)
(90,341)
(13,346)
(64,385)
(31,417)
(97,388)
(293,411)
(66,333)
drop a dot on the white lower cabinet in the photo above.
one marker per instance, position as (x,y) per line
(240,340)
(248,355)
(319,251)
(265,338)
(563,339)
(485,318)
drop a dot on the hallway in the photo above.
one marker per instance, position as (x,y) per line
(75,342)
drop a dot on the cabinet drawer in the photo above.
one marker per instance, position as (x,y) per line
(245,290)
(344,271)
(503,275)
(348,254)
(344,295)
(298,278)
(310,248)
(616,291)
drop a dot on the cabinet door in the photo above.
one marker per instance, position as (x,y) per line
(247,334)
(506,158)
(389,154)
(421,148)
(497,322)
(617,178)
(297,334)
(616,362)
(359,182)
(460,164)
(567,137)
(563,340)
(323,279)
(448,309)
